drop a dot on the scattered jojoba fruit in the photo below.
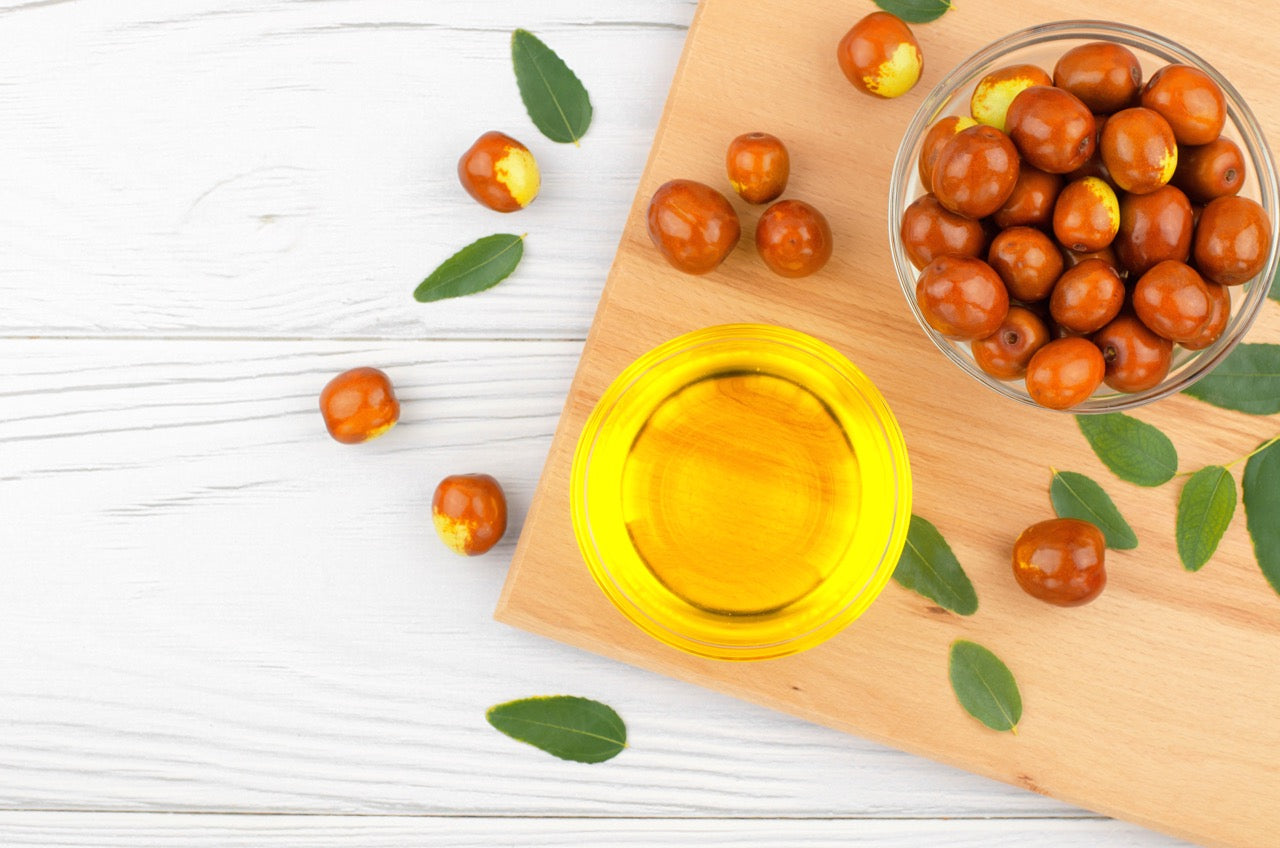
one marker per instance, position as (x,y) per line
(793,238)
(1189,100)
(991,97)
(880,56)
(469,512)
(1061,561)
(499,172)
(758,167)
(359,405)
(1232,240)
(693,226)
(1063,373)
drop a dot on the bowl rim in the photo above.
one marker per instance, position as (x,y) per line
(840,366)
(1253,140)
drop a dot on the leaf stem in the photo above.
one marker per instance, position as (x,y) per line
(1255,452)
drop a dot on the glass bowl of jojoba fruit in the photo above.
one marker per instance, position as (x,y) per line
(1083,216)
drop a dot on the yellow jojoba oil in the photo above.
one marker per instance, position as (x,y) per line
(741,492)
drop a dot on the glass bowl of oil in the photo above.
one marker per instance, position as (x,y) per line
(741,492)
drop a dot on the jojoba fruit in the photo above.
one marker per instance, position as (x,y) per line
(499,172)
(1153,227)
(1136,358)
(469,512)
(962,297)
(1173,301)
(1086,216)
(1232,240)
(1052,129)
(693,226)
(1105,76)
(994,92)
(976,171)
(929,230)
(1063,373)
(758,166)
(793,238)
(1210,170)
(1027,261)
(1220,297)
(1189,100)
(1087,297)
(936,139)
(1094,166)
(1061,561)
(1108,255)
(1031,202)
(880,56)
(359,405)
(1005,353)
(1139,150)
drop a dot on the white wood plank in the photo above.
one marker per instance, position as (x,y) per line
(212,606)
(287,169)
(106,830)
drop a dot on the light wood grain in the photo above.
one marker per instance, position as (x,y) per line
(224,168)
(210,605)
(1152,703)
(100,830)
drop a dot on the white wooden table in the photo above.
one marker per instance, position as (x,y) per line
(209,608)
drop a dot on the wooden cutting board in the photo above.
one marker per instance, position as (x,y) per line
(1157,702)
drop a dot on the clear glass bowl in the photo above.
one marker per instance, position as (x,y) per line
(687,593)
(1042,45)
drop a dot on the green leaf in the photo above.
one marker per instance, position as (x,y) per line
(553,95)
(1205,509)
(1248,380)
(480,265)
(1262,509)
(1133,450)
(984,686)
(928,566)
(915,11)
(1076,496)
(568,727)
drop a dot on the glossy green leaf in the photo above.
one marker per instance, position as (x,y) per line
(984,686)
(1248,380)
(928,566)
(1262,509)
(1205,509)
(1134,450)
(1076,496)
(565,726)
(915,11)
(553,95)
(478,266)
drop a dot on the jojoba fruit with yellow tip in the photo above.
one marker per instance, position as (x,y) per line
(1087,215)
(1139,150)
(994,92)
(499,172)
(359,405)
(758,166)
(880,56)
(469,512)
